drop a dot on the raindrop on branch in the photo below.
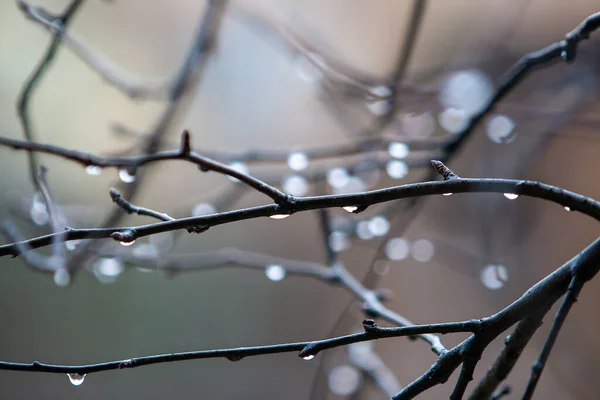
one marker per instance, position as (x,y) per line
(75,378)
(125,176)
(447,194)
(279,216)
(511,196)
(308,357)
(93,170)
(350,209)
(567,208)
(127,244)
(275,272)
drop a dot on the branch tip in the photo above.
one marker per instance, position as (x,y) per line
(441,169)
(186,146)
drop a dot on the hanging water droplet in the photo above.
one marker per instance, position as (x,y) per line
(500,129)
(279,216)
(422,250)
(75,378)
(453,120)
(337,177)
(126,244)
(398,150)
(295,185)
(338,241)
(125,176)
(344,380)
(397,249)
(62,277)
(379,225)
(238,166)
(511,196)
(93,170)
(567,208)
(297,161)
(308,357)
(275,272)
(201,209)
(396,169)
(494,277)
(447,194)
(350,209)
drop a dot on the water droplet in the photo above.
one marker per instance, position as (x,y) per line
(447,194)
(308,357)
(397,249)
(126,244)
(511,196)
(338,241)
(201,209)
(279,216)
(238,166)
(275,272)
(93,170)
(297,161)
(567,208)
(453,120)
(107,270)
(418,125)
(306,66)
(62,277)
(125,176)
(494,277)
(500,129)
(350,209)
(344,380)
(337,177)
(422,250)
(396,169)
(379,225)
(295,185)
(363,231)
(75,378)
(398,149)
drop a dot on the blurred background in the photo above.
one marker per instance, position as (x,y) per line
(290,75)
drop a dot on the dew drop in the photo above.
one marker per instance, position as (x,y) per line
(567,208)
(396,169)
(234,357)
(126,244)
(297,161)
(350,209)
(344,380)
(338,241)
(93,170)
(201,209)
(295,185)
(125,176)
(238,166)
(494,277)
(279,216)
(308,357)
(447,194)
(379,226)
(511,196)
(398,150)
(275,272)
(75,378)
(397,249)
(422,250)
(62,277)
